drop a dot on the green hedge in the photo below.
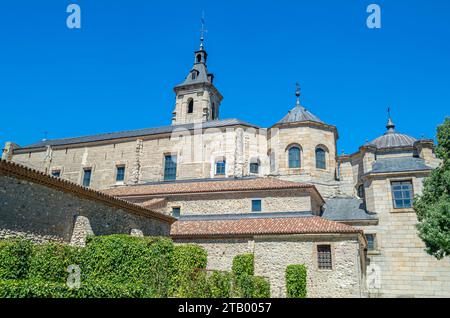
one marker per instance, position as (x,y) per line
(187,259)
(245,285)
(124,259)
(29,288)
(49,262)
(15,258)
(220,284)
(296,281)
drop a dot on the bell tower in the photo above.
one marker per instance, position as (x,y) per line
(197,99)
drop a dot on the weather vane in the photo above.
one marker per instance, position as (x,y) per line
(202,30)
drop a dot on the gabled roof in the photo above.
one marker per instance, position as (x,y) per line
(346,209)
(400,164)
(264,225)
(208,186)
(139,133)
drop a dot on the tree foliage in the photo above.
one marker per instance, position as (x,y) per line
(433,206)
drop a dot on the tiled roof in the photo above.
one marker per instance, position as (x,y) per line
(208,186)
(258,226)
(346,209)
(138,133)
(19,171)
(400,164)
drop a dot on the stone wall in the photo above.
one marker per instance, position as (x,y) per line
(403,267)
(274,254)
(237,203)
(44,213)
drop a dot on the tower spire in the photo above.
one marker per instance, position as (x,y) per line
(297,93)
(202,31)
(390,124)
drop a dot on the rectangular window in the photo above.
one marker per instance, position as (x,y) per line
(120,174)
(402,194)
(256,205)
(176,212)
(220,167)
(254,168)
(56,173)
(371,242)
(170,168)
(87,177)
(324,257)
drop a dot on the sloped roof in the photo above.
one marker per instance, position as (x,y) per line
(138,133)
(399,164)
(392,139)
(202,76)
(270,225)
(299,114)
(208,186)
(346,209)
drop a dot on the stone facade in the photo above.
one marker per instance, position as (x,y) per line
(273,254)
(38,210)
(237,203)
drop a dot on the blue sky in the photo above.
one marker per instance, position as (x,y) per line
(117,72)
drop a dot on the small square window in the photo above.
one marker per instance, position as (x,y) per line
(324,257)
(176,212)
(56,173)
(87,177)
(256,205)
(120,175)
(254,167)
(371,242)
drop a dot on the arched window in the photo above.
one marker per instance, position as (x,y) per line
(190,109)
(294,157)
(199,58)
(321,159)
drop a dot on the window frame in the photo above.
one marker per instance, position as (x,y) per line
(222,163)
(83,180)
(374,244)
(170,175)
(260,205)
(54,171)
(117,173)
(190,106)
(290,161)
(321,258)
(324,161)
(178,208)
(402,191)
(253,164)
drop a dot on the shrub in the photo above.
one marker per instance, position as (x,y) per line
(186,260)
(29,288)
(220,284)
(49,262)
(15,258)
(123,259)
(243,265)
(296,281)
(261,288)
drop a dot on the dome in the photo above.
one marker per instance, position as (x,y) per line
(298,114)
(392,139)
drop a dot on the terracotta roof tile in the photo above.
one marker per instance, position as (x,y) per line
(208,186)
(258,226)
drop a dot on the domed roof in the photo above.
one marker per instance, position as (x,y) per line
(299,113)
(392,139)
